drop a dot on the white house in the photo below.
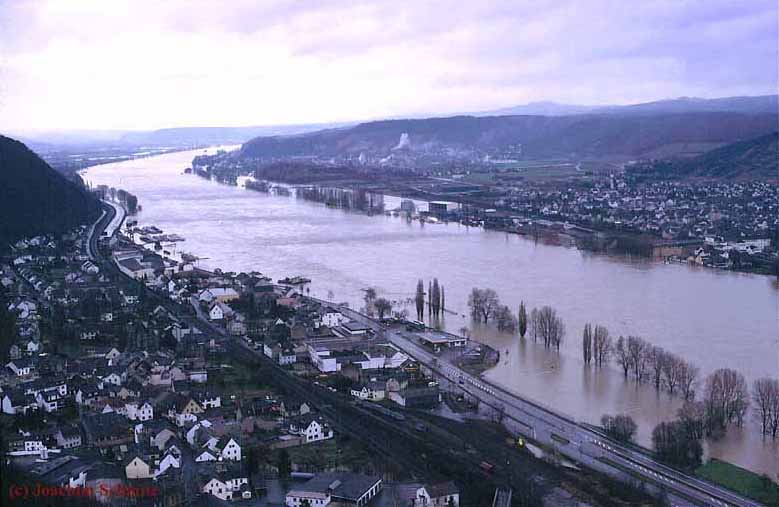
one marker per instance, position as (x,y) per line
(314,430)
(137,468)
(228,449)
(228,489)
(205,455)
(144,412)
(219,311)
(21,367)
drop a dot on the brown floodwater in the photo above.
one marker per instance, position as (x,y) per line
(714,318)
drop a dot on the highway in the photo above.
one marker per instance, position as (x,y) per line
(577,441)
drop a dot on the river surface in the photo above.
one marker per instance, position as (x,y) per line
(714,318)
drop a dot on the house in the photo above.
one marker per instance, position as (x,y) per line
(17,402)
(68,437)
(50,400)
(28,443)
(208,399)
(137,468)
(226,488)
(421,397)
(106,430)
(228,449)
(171,459)
(205,455)
(144,412)
(313,429)
(370,391)
(340,488)
(219,311)
(444,494)
(280,353)
(221,294)
(22,367)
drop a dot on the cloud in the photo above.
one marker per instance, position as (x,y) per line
(132,64)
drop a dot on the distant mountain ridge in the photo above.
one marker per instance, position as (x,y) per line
(573,136)
(746,104)
(35,199)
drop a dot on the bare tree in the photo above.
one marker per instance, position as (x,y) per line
(656,358)
(435,298)
(726,398)
(765,393)
(522,321)
(483,303)
(621,427)
(551,327)
(383,307)
(622,355)
(602,345)
(637,348)
(688,378)
(692,415)
(671,372)
(587,343)
(504,319)
(429,298)
(443,299)
(534,324)
(369,297)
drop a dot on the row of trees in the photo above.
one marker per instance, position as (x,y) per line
(765,394)
(597,345)
(647,363)
(436,299)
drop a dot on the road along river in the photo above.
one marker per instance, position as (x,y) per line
(713,318)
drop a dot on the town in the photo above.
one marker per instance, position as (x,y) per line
(131,376)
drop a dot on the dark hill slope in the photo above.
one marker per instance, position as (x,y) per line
(540,136)
(753,158)
(35,199)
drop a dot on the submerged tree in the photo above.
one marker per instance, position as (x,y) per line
(383,307)
(522,319)
(587,343)
(483,304)
(419,299)
(435,298)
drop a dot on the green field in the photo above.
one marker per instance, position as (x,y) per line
(742,481)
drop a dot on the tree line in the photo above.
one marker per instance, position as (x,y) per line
(436,299)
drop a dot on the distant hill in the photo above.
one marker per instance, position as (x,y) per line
(750,159)
(747,105)
(35,199)
(574,136)
(209,136)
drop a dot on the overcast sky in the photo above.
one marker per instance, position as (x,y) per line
(140,65)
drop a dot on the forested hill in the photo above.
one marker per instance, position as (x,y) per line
(578,136)
(35,199)
(750,159)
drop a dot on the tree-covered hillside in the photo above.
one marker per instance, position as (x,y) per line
(35,199)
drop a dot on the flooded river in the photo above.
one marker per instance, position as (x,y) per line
(713,318)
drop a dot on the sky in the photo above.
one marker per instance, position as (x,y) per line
(116,64)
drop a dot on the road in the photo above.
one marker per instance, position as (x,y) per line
(580,442)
